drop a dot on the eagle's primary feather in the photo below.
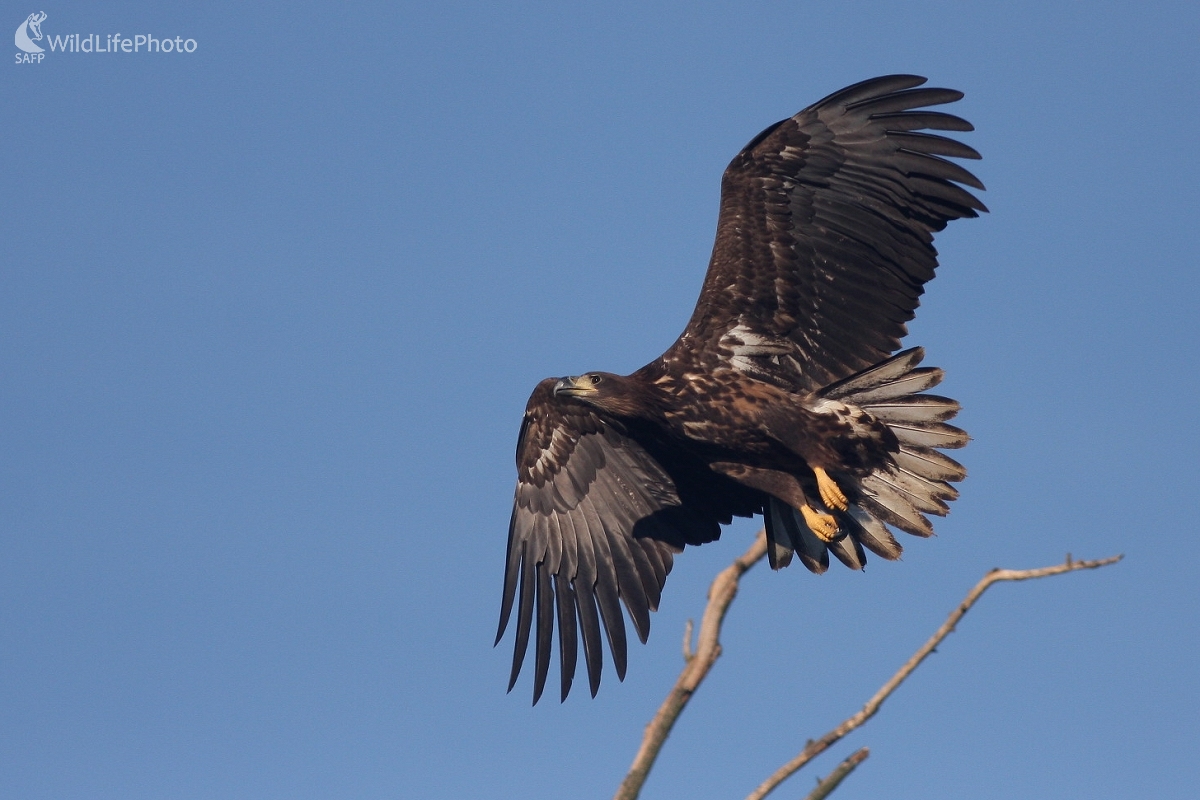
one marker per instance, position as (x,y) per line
(781,397)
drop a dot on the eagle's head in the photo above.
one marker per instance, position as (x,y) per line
(616,394)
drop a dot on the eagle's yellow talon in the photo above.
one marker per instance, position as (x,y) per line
(831,495)
(824,526)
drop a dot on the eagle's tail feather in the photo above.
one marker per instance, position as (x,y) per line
(872,533)
(900,494)
(787,533)
(929,463)
(849,551)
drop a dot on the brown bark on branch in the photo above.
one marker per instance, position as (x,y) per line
(815,748)
(826,785)
(708,650)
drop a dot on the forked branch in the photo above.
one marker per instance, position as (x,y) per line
(826,785)
(818,746)
(708,650)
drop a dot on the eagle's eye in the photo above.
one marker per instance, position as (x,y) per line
(596,379)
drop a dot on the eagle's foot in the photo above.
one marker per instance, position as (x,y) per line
(831,495)
(824,526)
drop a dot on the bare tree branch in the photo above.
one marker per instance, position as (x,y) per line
(815,748)
(698,663)
(826,785)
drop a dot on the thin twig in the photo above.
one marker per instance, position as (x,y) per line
(826,785)
(815,748)
(708,650)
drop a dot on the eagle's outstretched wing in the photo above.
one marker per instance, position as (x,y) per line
(595,521)
(825,235)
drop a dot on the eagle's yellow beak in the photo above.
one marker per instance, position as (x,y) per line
(573,386)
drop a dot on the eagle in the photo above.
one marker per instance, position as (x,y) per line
(782,396)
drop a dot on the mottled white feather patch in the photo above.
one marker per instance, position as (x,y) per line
(845,414)
(742,341)
(758,356)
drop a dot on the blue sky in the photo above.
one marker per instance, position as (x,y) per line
(271,311)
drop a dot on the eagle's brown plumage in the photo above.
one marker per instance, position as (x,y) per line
(779,398)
